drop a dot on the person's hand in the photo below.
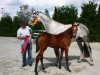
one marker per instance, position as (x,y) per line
(24,37)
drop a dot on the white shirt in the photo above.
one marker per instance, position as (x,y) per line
(24,32)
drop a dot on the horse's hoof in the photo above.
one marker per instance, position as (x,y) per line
(92,64)
(79,61)
(59,67)
(44,71)
(69,70)
(56,65)
(43,68)
(91,60)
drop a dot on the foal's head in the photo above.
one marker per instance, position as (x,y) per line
(74,29)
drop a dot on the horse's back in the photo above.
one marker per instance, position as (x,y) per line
(84,28)
(82,31)
(44,35)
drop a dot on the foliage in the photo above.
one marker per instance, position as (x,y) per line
(65,14)
(16,23)
(25,13)
(38,26)
(88,16)
(97,25)
(6,26)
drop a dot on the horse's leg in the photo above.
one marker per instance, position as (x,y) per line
(42,65)
(39,57)
(66,57)
(36,64)
(90,52)
(61,56)
(81,49)
(56,50)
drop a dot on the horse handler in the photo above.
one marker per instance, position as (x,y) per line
(24,34)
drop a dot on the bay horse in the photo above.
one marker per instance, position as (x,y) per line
(54,27)
(62,40)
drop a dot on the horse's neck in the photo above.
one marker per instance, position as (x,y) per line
(52,26)
(69,31)
(44,18)
(46,22)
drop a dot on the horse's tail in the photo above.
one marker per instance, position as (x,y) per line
(86,51)
(37,47)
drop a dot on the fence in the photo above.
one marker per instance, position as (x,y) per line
(36,33)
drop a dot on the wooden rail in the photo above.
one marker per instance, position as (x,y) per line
(36,33)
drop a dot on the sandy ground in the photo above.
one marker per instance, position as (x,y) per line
(11,60)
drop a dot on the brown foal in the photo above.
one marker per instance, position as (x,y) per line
(62,40)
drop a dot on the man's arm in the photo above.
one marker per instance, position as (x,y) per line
(21,37)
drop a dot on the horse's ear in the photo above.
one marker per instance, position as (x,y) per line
(78,24)
(34,12)
(37,12)
(74,23)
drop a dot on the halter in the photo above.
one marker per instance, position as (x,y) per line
(34,22)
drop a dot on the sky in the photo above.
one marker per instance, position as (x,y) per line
(12,6)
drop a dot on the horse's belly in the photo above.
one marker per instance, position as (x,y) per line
(59,42)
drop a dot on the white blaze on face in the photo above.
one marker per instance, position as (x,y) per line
(75,28)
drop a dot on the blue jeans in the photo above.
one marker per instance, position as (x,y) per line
(29,50)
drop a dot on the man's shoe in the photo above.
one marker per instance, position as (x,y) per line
(30,64)
(23,65)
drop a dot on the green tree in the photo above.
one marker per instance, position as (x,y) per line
(16,23)
(25,13)
(65,14)
(38,26)
(88,18)
(97,23)
(6,26)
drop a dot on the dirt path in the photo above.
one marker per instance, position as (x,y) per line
(10,60)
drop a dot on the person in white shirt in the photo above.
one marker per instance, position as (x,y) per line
(22,33)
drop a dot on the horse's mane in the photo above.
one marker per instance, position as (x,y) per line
(51,18)
(45,14)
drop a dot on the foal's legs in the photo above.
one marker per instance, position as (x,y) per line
(36,64)
(42,65)
(56,50)
(39,56)
(61,56)
(66,57)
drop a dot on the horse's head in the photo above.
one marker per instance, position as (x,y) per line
(34,18)
(39,16)
(75,28)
